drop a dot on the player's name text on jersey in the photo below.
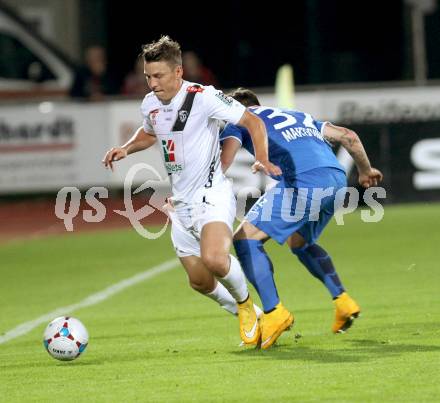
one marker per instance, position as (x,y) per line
(293,133)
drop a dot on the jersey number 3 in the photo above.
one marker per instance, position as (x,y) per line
(289,120)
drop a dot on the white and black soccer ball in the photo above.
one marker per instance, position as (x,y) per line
(65,338)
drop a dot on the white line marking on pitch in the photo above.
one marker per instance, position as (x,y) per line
(93,299)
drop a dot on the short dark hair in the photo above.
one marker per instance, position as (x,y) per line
(245,96)
(164,49)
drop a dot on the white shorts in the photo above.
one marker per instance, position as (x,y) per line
(208,205)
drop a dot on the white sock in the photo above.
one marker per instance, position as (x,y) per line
(258,310)
(222,296)
(234,281)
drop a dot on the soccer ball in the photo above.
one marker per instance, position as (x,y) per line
(65,338)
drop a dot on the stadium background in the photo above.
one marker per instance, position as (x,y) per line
(371,66)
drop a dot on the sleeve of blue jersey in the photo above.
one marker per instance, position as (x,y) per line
(320,125)
(233,131)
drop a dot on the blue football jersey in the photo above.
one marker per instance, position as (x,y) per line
(296,143)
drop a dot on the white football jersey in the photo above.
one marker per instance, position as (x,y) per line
(188,132)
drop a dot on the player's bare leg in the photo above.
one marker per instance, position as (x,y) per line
(296,241)
(248,231)
(203,281)
(215,243)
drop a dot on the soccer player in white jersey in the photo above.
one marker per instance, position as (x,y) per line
(184,117)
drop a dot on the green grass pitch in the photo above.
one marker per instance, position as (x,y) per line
(161,341)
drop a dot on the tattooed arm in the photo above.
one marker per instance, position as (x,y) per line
(348,139)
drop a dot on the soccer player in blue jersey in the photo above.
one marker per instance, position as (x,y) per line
(298,208)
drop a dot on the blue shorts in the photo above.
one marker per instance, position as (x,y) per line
(304,206)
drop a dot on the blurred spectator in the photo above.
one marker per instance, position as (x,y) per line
(93,81)
(135,83)
(195,71)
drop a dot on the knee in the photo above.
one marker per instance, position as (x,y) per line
(248,231)
(216,263)
(296,242)
(200,286)
(240,234)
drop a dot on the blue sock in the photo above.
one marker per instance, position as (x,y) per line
(320,265)
(259,271)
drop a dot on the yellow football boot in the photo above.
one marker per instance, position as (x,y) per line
(273,324)
(250,332)
(346,312)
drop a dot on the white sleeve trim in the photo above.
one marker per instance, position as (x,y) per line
(231,137)
(323,126)
(244,110)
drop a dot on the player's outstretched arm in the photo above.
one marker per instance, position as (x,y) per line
(348,139)
(257,131)
(141,140)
